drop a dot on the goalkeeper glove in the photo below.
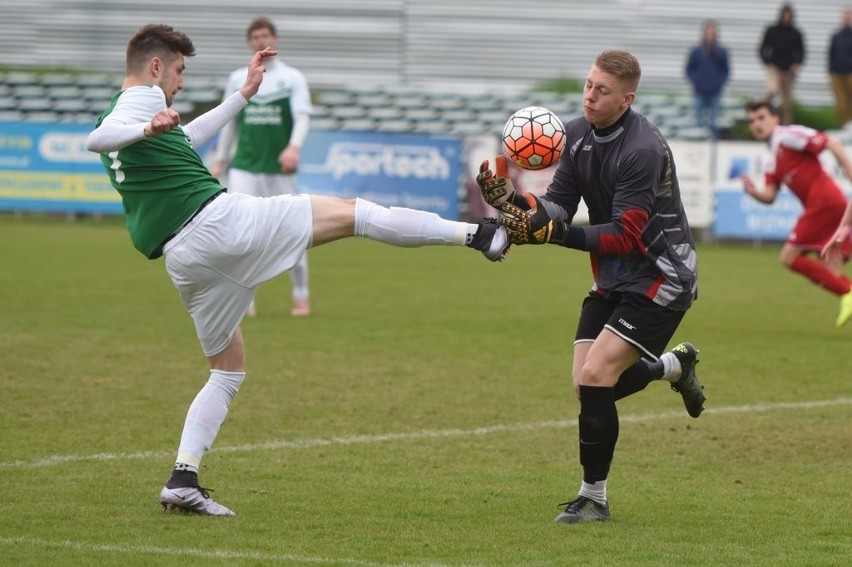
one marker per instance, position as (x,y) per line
(533,226)
(498,189)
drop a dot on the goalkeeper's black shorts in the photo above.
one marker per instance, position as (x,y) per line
(635,318)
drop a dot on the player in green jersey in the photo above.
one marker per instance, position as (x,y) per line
(260,149)
(220,246)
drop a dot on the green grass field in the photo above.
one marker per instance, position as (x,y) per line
(423,415)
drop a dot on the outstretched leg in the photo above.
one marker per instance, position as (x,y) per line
(335,218)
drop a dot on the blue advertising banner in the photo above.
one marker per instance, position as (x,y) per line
(46,167)
(395,170)
(740,216)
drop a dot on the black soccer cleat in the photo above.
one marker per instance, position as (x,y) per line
(583,510)
(688,385)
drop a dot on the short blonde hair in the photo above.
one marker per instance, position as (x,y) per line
(622,65)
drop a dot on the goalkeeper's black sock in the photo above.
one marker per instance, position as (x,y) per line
(635,378)
(598,426)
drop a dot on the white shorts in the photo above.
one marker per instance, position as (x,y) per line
(261,184)
(234,244)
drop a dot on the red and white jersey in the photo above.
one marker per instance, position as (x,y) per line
(793,160)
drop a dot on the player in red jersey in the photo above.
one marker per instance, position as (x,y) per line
(793,160)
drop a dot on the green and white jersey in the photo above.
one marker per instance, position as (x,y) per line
(264,126)
(161,179)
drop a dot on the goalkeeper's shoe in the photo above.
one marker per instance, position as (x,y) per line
(845,309)
(688,385)
(583,510)
(491,239)
(192,499)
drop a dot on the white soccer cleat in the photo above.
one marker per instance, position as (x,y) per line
(191,499)
(491,239)
(499,245)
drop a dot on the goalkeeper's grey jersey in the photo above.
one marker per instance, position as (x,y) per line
(638,235)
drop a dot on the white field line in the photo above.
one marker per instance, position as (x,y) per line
(177,552)
(310,443)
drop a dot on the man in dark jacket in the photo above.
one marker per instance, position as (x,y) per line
(783,52)
(707,69)
(840,67)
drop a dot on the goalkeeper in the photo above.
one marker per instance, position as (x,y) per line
(642,254)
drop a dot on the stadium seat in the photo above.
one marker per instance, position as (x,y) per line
(459,115)
(8,103)
(421,113)
(411,101)
(17,78)
(694,133)
(385,112)
(432,127)
(446,102)
(324,123)
(95,80)
(335,98)
(64,92)
(348,112)
(394,126)
(358,124)
(70,105)
(30,91)
(42,116)
(372,100)
(11,115)
(35,104)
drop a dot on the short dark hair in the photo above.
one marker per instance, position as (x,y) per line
(261,23)
(156,40)
(755,105)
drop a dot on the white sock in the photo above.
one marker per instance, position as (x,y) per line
(299,276)
(206,414)
(596,491)
(407,227)
(671,367)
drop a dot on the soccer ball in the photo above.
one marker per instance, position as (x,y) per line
(533,138)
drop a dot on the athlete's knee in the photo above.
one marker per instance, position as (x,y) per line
(232,358)
(788,256)
(591,374)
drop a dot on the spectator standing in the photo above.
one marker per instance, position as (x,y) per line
(707,68)
(269,133)
(840,67)
(783,52)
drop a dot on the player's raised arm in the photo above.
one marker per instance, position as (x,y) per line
(256,69)
(205,126)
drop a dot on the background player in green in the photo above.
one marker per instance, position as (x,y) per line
(269,133)
(219,246)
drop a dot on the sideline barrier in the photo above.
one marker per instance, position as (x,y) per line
(46,167)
